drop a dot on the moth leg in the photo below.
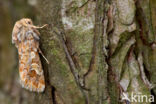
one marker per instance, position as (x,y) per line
(43,56)
(37,27)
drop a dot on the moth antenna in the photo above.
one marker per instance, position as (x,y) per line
(37,27)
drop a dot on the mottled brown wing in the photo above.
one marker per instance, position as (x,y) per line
(15,32)
(25,36)
(30,68)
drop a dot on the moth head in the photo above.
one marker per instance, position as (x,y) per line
(17,28)
(27,21)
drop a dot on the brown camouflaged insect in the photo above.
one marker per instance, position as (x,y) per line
(25,36)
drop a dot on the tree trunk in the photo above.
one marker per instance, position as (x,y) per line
(99,52)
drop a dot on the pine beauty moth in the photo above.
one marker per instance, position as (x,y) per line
(25,36)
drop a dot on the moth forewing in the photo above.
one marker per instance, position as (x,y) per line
(26,38)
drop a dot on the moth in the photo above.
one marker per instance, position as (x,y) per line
(26,38)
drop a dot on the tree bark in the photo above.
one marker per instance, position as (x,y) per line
(99,51)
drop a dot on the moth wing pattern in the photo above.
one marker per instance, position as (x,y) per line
(26,39)
(15,31)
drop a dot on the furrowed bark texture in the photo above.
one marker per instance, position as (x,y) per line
(99,51)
